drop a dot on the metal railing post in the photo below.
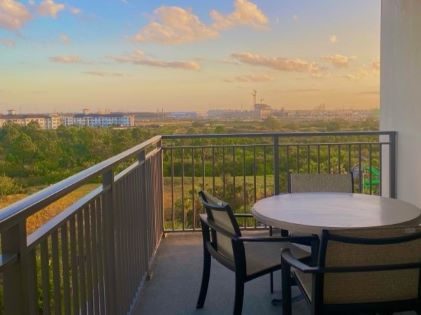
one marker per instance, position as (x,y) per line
(276,172)
(145,223)
(161,179)
(392,165)
(110,264)
(13,242)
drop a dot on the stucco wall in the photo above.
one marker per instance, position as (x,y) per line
(401,90)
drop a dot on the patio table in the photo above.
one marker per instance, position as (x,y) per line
(312,212)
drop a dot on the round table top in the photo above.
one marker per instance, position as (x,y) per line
(312,212)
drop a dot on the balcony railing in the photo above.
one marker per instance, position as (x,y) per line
(93,257)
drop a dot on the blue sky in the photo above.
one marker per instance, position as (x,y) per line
(188,55)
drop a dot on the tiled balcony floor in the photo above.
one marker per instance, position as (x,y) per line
(175,284)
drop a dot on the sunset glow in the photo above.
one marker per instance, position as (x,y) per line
(126,55)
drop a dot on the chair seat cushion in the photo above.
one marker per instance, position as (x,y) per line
(262,256)
(304,280)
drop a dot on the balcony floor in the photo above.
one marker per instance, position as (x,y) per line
(175,284)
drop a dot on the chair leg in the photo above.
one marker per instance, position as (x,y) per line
(205,279)
(239,296)
(286,290)
(271,283)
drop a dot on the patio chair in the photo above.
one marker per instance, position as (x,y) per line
(320,183)
(306,182)
(248,257)
(370,270)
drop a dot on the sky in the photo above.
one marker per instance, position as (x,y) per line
(189,55)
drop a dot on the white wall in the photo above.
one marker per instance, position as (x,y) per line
(401,90)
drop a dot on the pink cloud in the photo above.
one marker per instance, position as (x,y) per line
(66,59)
(50,8)
(13,14)
(339,61)
(139,58)
(279,63)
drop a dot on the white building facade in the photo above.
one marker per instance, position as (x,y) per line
(401,90)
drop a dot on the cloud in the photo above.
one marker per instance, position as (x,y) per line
(13,14)
(254,78)
(279,63)
(74,10)
(139,58)
(66,59)
(172,25)
(362,73)
(104,74)
(245,13)
(333,39)
(295,18)
(339,61)
(50,8)
(64,39)
(7,42)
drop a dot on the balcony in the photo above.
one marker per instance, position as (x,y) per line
(105,254)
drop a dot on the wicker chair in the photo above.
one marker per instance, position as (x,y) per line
(320,183)
(248,257)
(370,270)
(305,182)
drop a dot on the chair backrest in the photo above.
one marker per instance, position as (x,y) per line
(375,248)
(320,183)
(222,216)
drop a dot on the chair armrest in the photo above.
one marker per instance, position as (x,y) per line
(289,259)
(304,239)
(243,215)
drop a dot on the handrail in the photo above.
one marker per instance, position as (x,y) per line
(277,134)
(43,198)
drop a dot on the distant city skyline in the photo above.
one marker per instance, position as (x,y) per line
(186,55)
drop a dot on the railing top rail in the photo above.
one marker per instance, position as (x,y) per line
(41,199)
(277,134)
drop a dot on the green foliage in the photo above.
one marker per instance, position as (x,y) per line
(8,186)
(36,157)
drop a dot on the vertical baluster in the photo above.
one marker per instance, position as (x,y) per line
(45,278)
(95,257)
(203,169)
(381,169)
(172,189)
(349,157)
(297,149)
(213,169)
(339,159)
(65,263)
(360,169)
(74,266)
(308,158)
(276,166)
(254,174)
(223,173)
(108,214)
(370,167)
(182,189)
(318,158)
(81,251)
(264,172)
(233,173)
(193,189)
(244,185)
(329,170)
(88,238)
(56,273)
